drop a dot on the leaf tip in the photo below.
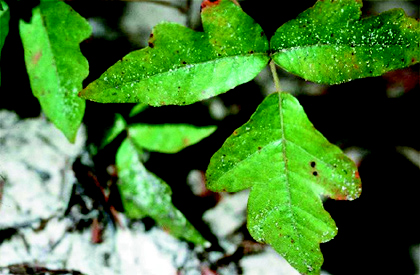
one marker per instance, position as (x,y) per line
(70,135)
(206,244)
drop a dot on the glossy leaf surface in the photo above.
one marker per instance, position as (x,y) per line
(4,24)
(144,194)
(167,138)
(288,165)
(55,65)
(181,66)
(330,44)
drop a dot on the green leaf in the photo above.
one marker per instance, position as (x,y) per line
(181,66)
(4,24)
(138,108)
(288,165)
(55,65)
(329,44)
(167,138)
(119,125)
(144,194)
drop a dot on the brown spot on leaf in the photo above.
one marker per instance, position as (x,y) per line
(186,141)
(151,45)
(36,57)
(356,175)
(315,173)
(313,163)
(235,132)
(341,197)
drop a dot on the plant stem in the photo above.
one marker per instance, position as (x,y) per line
(275,76)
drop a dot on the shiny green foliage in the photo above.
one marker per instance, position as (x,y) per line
(144,194)
(4,24)
(181,66)
(55,65)
(289,166)
(330,44)
(167,138)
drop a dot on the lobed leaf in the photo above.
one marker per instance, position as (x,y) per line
(330,44)
(288,165)
(144,194)
(168,138)
(4,24)
(181,66)
(55,65)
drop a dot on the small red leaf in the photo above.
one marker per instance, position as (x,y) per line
(208,3)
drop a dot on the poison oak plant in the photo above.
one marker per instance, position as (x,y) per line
(288,165)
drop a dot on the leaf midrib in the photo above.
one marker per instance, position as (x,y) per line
(285,161)
(189,66)
(291,49)
(50,46)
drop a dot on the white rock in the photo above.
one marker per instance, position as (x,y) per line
(228,215)
(267,263)
(35,165)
